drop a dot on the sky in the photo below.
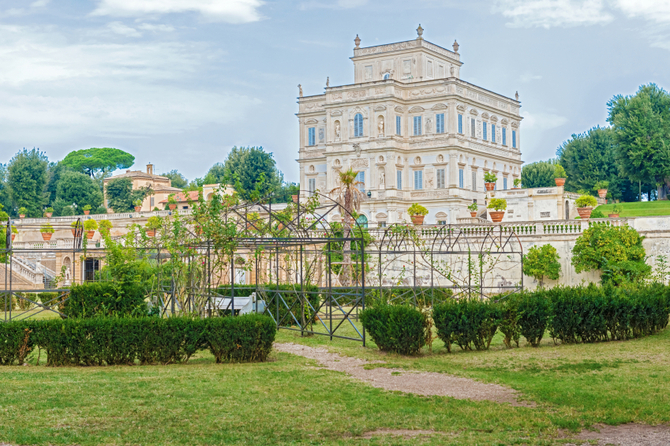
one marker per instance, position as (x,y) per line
(178,83)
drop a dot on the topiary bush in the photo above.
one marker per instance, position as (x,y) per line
(396,328)
(238,339)
(94,299)
(535,313)
(509,323)
(467,322)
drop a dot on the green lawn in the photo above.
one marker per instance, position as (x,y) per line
(639,209)
(289,401)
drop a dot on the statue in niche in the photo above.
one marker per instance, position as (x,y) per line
(299,90)
(429,125)
(451,70)
(381,127)
(321,134)
(67,275)
(337,131)
(382,179)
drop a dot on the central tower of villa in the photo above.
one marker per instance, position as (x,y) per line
(413,130)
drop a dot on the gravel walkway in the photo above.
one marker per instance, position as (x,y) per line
(626,435)
(420,383)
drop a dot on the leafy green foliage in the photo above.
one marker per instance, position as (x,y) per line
(509,323)
(490,177)
(176,179)
(252,172)
(539,174)
(246,338)
(498,204)
(97,299)
(586,201)
(27,180)
(541,262)
(77,188)
(15,341)
(98,160)
(617,251)
(396,328)
(559,171)
(120,194)
(535,312)
(597,213)
(467,322)
(603,184)
(417,209)
(46,228)
(472,207)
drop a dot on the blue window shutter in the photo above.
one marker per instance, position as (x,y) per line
(505,183)
(484,127)
(460,124)
(397,125)
(358,125)
(504,136)
(514,138)
(418,179)
(460,178)
(399,179)
(493,132)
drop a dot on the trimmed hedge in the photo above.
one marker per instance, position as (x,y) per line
(93,299)
(467,323)
(147,340)
(420,296)
(396,328)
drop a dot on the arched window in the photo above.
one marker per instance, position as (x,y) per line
(362,221)
(358,125)
(387,75)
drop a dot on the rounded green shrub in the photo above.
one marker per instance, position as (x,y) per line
(396,328)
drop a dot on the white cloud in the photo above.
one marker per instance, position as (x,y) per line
(156,28)
(39,3)
(120,28)
(552,13)
(653,10)
(541,121)
(339,4)
(528,77)
(231,11)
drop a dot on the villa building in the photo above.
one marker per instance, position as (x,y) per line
(413,130)
(160,185)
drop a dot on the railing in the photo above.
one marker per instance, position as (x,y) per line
(23,269)
(72,218)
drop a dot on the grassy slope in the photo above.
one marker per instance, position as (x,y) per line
(640,209)
(288,401)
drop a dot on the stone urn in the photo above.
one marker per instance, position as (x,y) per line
(473,214)
(602,193)
(418,219)
(585,212)
(490,186)
(496,216)
(46,236)
(559,181)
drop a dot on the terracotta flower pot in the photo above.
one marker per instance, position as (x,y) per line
(418,219)
(172,206)
(613,215)
(87,212)
(13,237)
(138,208)
(22,216)
(559,181)
(496,216)
(90,234)
(74,231)
(294,198)
(46,236)
(585,212)
(602,193)
(151,232)
(473,214)
(490,186)
(48,214)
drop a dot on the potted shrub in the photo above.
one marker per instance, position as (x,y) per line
(22,212)
(601,187)
(585,205)
(47,231)
(517,183)
(294,198)
(253,220)
(90,226)
(473,209)
(87,209)
(172,202)
(138,205)
(15,231)
(498,205)
(616,210)
(490,179)
(48,212)
(73,227)
(152,225)
(559,175)
(417,213)
(104,227)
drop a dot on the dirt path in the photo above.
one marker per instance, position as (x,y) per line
(421,383)
(625,435)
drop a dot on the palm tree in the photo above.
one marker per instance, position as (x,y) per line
(349,197)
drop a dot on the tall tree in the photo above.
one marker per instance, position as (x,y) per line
(98,163)
(218,172)
(76,188)
(176,179)
(120,194)
(54,171)
(5,196)
(27,180)
(538,174)
(642,134)
(251,171)
(591,157)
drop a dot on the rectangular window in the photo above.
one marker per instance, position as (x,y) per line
(504,136)
(442,222)
(397,126)
(360,178)
(382,224)
(152,203)
(460,124)
(485,137)
(493,133)
(474,180)
(399,179)
(439,123)
(440,179)
(312,186)
(505,183)
(472,127)
(417,125)
(418,179)
(514,138)
(461,180)
(311,136)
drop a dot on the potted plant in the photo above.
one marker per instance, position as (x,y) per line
(616,210)
(172,202)
(48,212)
(417,213)
(22,212)
(87,209)
(473,209)
(15,231)
(138,205)
(153,223)
(73,227)
(253,218)
(294,198)
(490,179)
(47,231)
(498,205)
(585,205)
(517,183)
(601,187)
(559,175)
(105,226)
(90,226)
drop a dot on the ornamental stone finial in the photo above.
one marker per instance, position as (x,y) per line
(327,81)
(300,90)
(455,46)
(357,41)
(516,95)
(419,32)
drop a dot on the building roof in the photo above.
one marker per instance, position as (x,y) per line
(184,198)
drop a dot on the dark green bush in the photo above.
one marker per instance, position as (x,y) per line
(396,328)
(147,340)
(509,324)
(535,312)
(7,302)
(467,322)
(95,299)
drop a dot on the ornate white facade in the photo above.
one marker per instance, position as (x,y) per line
(416,131)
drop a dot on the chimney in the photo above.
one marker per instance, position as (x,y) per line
(150,169)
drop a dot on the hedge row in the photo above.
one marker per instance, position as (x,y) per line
(93,299)
(147,340)
(572,315)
